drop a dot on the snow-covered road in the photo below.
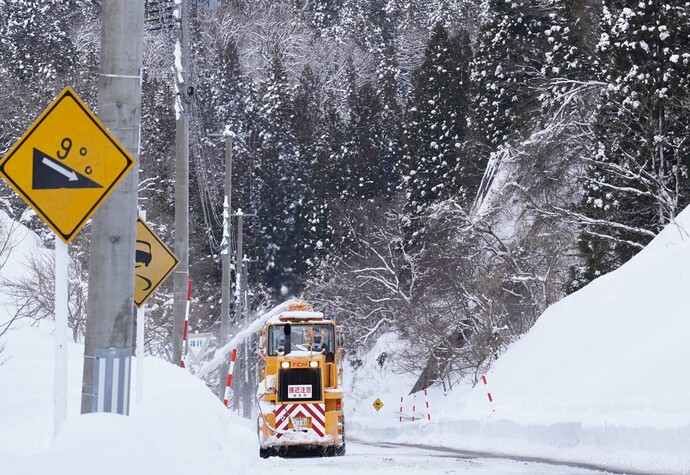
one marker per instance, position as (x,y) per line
(384,458)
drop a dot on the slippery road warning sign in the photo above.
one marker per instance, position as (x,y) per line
(65,165)
(154,262)
(377,404)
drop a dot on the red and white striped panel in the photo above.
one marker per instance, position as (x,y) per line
(315,411)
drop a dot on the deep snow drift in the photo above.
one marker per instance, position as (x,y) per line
(601,378)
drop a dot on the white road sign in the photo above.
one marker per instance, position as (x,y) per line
(197,346)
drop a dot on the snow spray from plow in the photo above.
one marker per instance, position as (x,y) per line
(222,353)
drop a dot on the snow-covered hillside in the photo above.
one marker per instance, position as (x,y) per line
(601,378)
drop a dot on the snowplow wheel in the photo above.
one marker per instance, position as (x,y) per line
(264,453)
(339,451)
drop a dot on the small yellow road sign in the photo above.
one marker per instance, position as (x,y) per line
(65,165)
(154,263)
(377,404)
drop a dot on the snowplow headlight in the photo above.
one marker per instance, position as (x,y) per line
(314,364)
(285,364)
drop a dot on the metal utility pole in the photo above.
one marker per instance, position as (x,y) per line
(110,305)
(226,255)
(181,188)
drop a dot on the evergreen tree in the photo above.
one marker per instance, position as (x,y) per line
(275,192)
(35,41)
(329,181)
(37,57)
(365,170)
(227,85)
(324,15)
(507,63)
(307,110)
(572,34)
(391,113)
(637,181)
(432,165)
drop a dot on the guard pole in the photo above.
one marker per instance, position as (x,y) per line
(401,407)
(488,393)
(141,322)
(426,400)
(61,310)
(414,405)
(186,322)
(231,368)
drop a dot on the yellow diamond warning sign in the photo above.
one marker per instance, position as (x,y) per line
(377,404)
(66,165)
(154,263)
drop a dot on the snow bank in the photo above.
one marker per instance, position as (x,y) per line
(180,428)
(600,378)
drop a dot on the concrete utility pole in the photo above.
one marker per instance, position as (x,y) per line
(181,187)
(239,267)
(110,306)
(227,253)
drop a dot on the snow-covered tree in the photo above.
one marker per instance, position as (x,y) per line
(637,180)
(275,192)
(432,165)
(506,68)
(308,211)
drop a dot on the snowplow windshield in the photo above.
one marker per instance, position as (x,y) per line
(304,337)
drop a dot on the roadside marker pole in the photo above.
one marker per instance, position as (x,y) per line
(426,398)
(491,400)
(61,312)
(414,405)
(229,380)
(401,405)
(141,319)
(141,322)
(186,323)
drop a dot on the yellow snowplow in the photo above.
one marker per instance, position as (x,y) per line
(300,383)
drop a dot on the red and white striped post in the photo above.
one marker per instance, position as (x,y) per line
(426,399)
(401,402)
(229,380)
(414,405)
(488,393)
(186,322)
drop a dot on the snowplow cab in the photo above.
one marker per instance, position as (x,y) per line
(300,392)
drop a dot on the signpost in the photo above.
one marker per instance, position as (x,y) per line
(64,167)
(153,264)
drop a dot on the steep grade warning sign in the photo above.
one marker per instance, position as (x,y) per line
(65,165)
